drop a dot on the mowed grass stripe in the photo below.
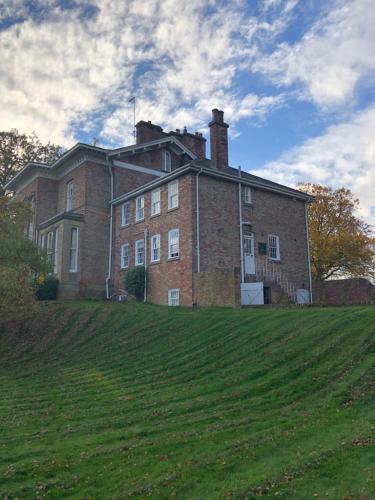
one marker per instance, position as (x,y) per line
(198,404)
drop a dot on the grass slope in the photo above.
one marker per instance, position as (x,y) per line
(113,400)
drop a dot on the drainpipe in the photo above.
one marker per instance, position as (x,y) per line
(308,252)
(109,275)
(198,228)
(240,216)
(145,257)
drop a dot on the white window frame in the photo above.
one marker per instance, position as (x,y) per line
(173,200)
(247,195)
(50,246)
(155,203)
(124,264)
(155,246)
(274,244)
(140,208)
(69,195)
(173,255)
(73,250)
(125,214)
(173,301)
(166,161)
(136,261)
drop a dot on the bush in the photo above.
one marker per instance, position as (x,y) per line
(46,288)
(134,282)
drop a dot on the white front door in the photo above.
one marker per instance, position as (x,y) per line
(249,256)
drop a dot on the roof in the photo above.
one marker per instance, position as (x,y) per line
(230,174)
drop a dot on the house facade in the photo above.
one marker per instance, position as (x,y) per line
(208,234)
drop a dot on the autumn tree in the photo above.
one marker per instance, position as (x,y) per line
(17,149)
(20,259)
(342,244)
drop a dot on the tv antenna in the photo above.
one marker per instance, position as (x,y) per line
(132,99)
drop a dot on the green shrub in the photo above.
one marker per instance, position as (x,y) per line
(46,289)
(134,282)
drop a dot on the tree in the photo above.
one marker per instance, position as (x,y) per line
(17,149)
(20,259)
(342,244)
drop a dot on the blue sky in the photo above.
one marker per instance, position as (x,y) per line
(295,78)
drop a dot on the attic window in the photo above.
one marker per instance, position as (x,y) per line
(166,161)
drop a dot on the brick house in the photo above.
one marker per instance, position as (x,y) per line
(207,233)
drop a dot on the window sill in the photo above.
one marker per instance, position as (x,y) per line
(153,262)
(139,221)
(72,271)
(124,226)
(248,203)
(173,258)
(274,260)
(173,208)
(124,268)
(155,215)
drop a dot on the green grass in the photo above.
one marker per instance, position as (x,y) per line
(113,401)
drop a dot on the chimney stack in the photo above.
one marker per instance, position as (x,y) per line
(219,140)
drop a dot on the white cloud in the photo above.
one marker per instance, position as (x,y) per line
(179,60)
(343,156)
(331,58)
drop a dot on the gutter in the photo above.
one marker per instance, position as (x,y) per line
(308,252)
(240,217)
(198,221)
(109,275)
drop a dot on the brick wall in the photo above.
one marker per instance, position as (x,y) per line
(218,288)
(167,273)
(341,292)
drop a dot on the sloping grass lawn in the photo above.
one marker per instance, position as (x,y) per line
(114,401)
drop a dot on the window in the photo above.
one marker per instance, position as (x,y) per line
(247,194)
(125,214)
(166,161)
(155,202)
(51,245)
(140,208)
(173,194)
(30,230)
(174,297)
(273,247)
(139,253)
(155,248)
(69,196)
(124,256)
(173,243)
(73,260)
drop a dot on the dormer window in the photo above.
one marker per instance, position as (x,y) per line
(166,161)
(69,196)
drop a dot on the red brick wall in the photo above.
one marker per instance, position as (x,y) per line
(340,292)
(166,274)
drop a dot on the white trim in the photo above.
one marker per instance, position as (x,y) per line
(142,208)
(69,195)
(126,204)
(122,266)
(247,195)
(135,147)
(152,248)
(173,195)
(170,299)
(277,240)
(136,253)
(170,256)
(166,165)
(137,168)
(75,268)
(157,190)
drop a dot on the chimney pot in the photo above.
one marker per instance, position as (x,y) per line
(178,130)
(185,130)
